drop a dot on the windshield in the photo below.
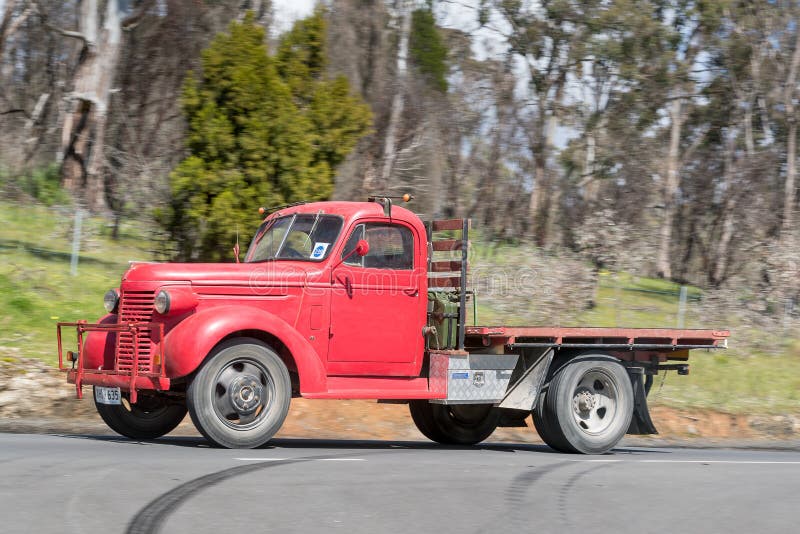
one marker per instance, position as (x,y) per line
(303,236)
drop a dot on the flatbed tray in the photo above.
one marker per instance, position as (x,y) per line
(612,338)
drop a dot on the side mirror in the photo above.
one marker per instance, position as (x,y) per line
(362,248)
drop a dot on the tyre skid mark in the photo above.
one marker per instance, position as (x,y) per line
(151,518)
(566,489)
(517,518)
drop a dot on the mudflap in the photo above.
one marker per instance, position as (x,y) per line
(641,423)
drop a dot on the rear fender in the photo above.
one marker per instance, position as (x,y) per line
(188,343)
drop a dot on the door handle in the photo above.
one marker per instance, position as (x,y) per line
(413,292)
(348,287)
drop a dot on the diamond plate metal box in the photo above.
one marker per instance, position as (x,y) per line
(471,378)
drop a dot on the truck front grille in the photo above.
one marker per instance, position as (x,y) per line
(135,307)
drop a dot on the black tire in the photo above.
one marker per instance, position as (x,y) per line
(544,425)
(454,424)
(151,417)
(240,397)
(588,405)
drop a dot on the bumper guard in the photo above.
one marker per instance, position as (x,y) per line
(130,381)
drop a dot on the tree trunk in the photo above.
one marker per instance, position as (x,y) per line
(589,181)
(398,101)
(538,198)
(85,123)
(9,25)
(542,208)
(790,190)
(719,269)
(671,185)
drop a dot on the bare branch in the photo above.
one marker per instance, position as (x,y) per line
(9,26)
(133,20)
(69,33)
(16,110)
(691,149)
(17,22)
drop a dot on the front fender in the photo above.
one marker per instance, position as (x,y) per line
(189,342)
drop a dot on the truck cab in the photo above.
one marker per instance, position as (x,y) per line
(350,300)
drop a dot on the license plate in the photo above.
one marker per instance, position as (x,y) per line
(105,395)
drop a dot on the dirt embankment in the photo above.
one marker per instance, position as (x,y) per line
(36,398)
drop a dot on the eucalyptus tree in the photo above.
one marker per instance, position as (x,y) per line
(548,40)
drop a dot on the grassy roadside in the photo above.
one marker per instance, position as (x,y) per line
(36,287)
(36,291)
(737,380)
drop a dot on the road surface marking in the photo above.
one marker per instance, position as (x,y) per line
(263,459)
(301,459)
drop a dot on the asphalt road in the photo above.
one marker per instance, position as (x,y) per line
(88,484)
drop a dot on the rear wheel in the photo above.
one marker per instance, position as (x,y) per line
(240,397)
(587,407)
(454,424)
(151,417)
(544,425)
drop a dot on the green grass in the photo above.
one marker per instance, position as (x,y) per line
(734,382)
(36,288)
(36,291)
(624,300)
(741,379)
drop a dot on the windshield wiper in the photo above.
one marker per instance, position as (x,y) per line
(285,236)
(313,227)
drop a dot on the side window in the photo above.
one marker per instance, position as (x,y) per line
(355,237)
(390,246)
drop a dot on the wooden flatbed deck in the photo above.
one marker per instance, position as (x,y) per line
(648,340)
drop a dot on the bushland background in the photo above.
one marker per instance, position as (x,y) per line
(613,156)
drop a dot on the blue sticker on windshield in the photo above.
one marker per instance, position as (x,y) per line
(319,251)
(460,376)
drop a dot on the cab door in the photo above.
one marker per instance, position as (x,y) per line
(377,311)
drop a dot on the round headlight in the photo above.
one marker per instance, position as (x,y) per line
(111,301)
(161,303)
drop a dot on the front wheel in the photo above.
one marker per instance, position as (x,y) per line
(454,424)
(587,407)
(150,418)
(240,397)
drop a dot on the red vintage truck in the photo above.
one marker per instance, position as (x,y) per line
(355,300)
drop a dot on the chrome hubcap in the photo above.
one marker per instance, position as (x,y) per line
(243,391)
(246,393)
(594,402)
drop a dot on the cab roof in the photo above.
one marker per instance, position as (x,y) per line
(350,211)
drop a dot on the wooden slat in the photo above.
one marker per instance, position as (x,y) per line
(447,244)
(446,266)
(447,224)
(445,281)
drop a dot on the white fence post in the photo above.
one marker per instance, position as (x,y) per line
(682,307)
(76,242)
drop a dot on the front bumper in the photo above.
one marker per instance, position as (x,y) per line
(141,373)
